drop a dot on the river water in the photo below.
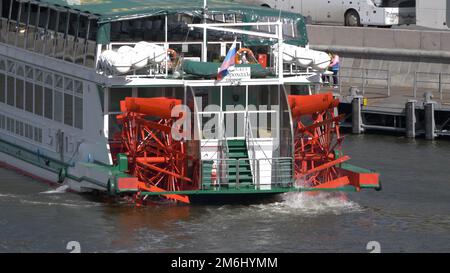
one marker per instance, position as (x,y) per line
(411,214)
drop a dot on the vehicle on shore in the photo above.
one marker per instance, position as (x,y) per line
(382,13)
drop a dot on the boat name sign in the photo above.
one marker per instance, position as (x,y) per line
(237,73)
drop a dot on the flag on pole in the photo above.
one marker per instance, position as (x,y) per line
(227,62)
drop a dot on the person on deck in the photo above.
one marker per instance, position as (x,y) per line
(334,67)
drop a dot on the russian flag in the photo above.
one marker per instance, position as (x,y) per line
(228,62)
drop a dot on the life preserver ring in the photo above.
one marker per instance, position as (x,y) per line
(172,53)
(247,51)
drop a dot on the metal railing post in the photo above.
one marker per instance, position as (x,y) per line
(258,173)
(389,82)
(415,85)
(201,174)
(364,80)
(237,173)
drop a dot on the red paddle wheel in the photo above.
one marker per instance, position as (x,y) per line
(318,151)
(155,158)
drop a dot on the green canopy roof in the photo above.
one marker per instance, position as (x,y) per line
(112,10)
(115,10)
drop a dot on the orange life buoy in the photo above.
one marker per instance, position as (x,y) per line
(172,53)
(250,56)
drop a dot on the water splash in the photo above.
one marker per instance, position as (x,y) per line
(311,204)
(60,189)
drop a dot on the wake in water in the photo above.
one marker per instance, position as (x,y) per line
(313,204)
(60,189)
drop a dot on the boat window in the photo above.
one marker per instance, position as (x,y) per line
(18,125)
(2,88)
(38,134)
(29,72)
(4,8)
(78,113)
(41,20)
(61,34)
(68,85)
(38,74)
(2,122)
(19,94)
(29,94)
(12,22)
(44,18)
(20,70)
(69,46)
(21,126)
(50,34)
(10,91)
(91,47)
(92,30)
(80,47)
(48,79)
(21,25)
(38,99)
(48,102)
(32,26)
(73,24)
(14,10)
(58,107)
(78,86)
(11,67)
(58,81)
(68,109)
(3,29)
(28,131)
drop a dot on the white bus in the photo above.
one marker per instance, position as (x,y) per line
(349,12)
(433,14)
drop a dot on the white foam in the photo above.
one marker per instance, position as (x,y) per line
(74,205)
(314,204)
(60,189)
(8,195)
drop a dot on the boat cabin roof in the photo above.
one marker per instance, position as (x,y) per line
(115,10)
(109,11)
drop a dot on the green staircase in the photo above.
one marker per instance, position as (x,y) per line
(237,150)
(207,166)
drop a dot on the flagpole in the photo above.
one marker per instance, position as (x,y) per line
(205,46)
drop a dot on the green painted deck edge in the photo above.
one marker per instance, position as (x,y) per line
(115,173)
(252,191)
(353,168)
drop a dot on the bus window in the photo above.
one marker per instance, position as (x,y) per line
(395,3)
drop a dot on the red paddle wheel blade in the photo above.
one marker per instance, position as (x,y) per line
(155,158)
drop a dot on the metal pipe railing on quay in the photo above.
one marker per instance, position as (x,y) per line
(439,82)
(365,78)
